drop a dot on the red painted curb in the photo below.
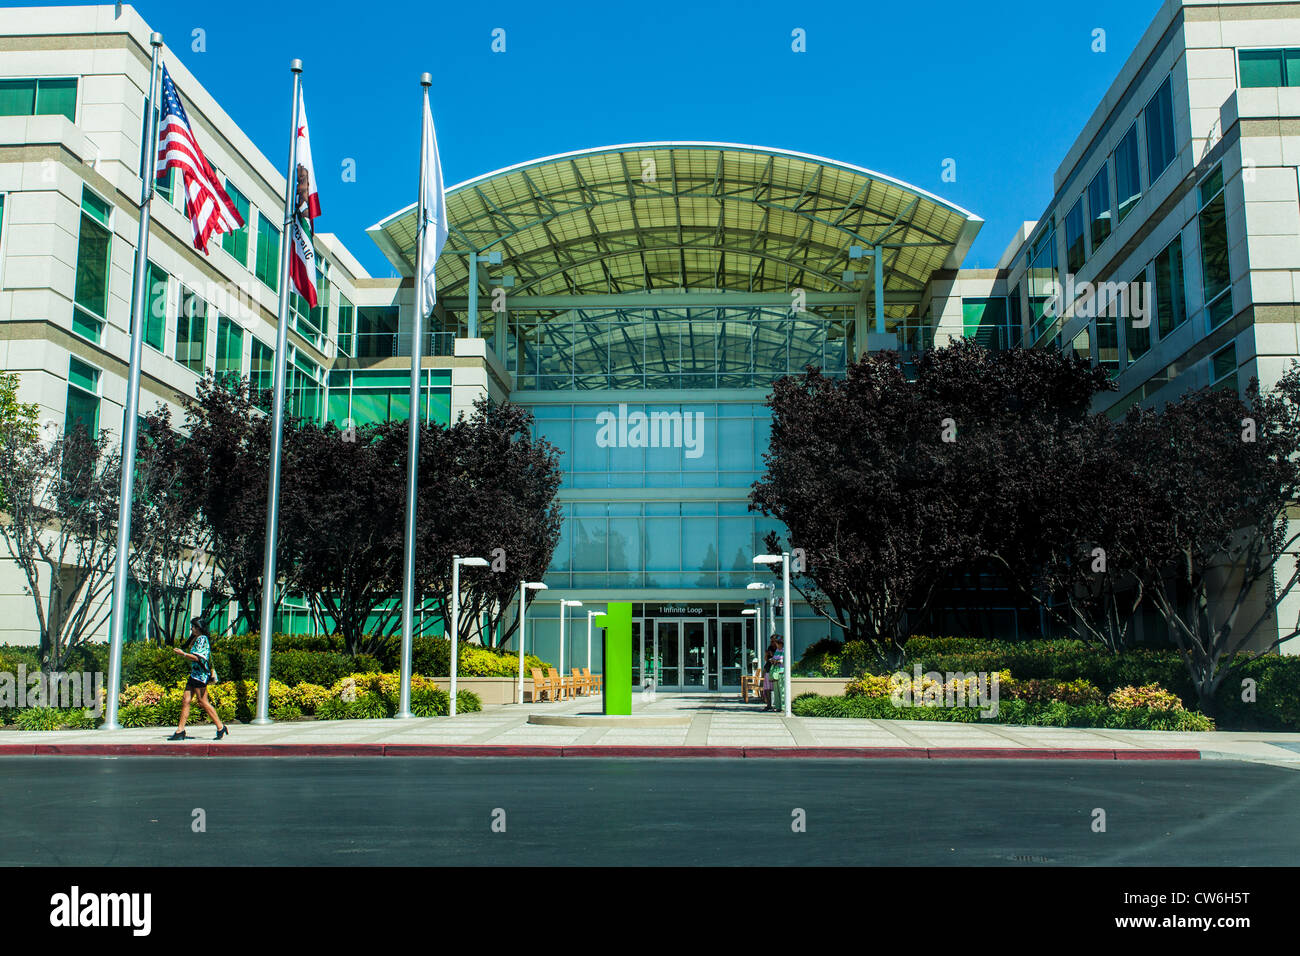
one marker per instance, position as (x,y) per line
(1157,755)
(595,750)
(206,749)
(836,752)
(1020,753)
(296,750)
(178,749)
(471,750)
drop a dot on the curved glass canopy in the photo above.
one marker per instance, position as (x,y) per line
(643,265)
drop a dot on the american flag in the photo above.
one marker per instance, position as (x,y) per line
(206,203)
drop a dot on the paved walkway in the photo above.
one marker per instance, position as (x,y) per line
(718,721)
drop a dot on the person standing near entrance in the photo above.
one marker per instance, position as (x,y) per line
(767,671)
(778,676)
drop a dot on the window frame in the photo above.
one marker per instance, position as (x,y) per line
(107,225)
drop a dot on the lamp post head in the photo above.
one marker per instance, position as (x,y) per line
(749,610)
(571,603)
(472,562)
(757,586)
(533,585)
(768,559)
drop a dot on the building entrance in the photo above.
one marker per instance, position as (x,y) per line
(699,653)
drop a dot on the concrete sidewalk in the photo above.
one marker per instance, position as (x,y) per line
(720,726)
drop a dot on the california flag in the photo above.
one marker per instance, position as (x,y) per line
(302,267)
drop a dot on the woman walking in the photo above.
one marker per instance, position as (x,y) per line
(198,652)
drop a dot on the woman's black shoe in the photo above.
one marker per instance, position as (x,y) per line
(179,735)
(223,731)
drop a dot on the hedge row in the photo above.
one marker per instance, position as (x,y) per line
(358,695)
(1024,713)
(1277,678)
(295,659)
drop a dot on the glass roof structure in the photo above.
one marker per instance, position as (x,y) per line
(687,216)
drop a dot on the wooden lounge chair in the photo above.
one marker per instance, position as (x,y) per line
(542,686)
(751,684)
(563,686)
(581,683)
(594,681)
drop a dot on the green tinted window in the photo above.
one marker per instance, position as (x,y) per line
(1223,363)
(90,293)
(155,325)
(230,348)
(82,409)
(236,243)
(1137,337)
(1261,68)
(45,97)
(1171,306)
(262,370)
(1075,251)
(191,331)
(1215,272)
(268,253)
(17,97)
(346,320)
(57,97)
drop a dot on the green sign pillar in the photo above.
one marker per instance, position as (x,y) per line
(617,622)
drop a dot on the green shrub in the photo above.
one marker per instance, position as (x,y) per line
(468,702)
(152,662)
(39,718)
(139,716)
(433,703)
(1018,712)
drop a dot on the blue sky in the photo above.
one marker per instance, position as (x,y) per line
(1001,88)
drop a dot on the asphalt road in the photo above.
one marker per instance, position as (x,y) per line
(96,811)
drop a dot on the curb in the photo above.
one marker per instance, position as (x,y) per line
(594,750)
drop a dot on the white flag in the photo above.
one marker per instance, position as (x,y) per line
(435,210)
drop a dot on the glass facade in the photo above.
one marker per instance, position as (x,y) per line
(236,242)
(267,267)
(657,445)
(372,396)
(672,348)
(155,322)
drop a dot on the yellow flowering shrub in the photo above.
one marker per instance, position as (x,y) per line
(1150,696)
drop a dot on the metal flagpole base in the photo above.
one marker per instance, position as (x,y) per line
(404,715)
(261,722)
(107,726)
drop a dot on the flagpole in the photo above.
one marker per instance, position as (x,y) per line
(131,413)
(413,427)
(277,414)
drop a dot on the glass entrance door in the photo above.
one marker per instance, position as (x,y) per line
(695,653)
(731,653)
(667,667)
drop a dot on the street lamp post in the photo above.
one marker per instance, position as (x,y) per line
(784,560)
(523,587)
(564,612)
(456,562)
